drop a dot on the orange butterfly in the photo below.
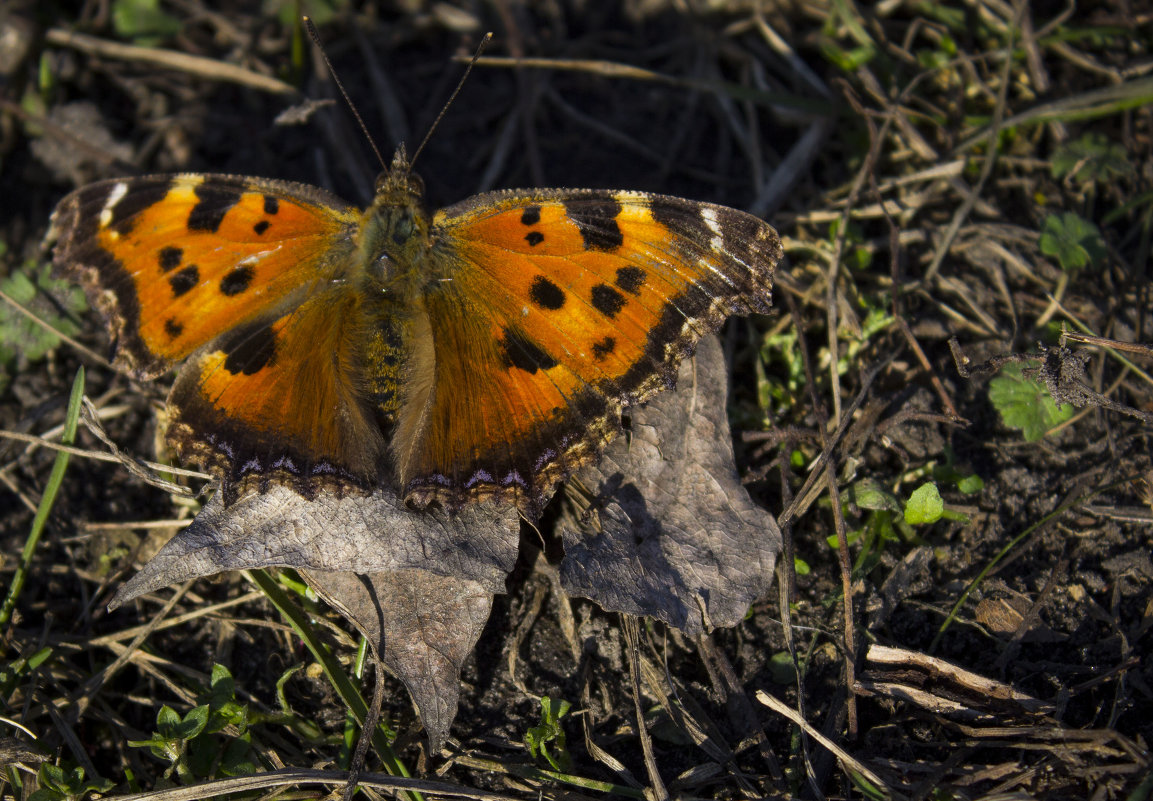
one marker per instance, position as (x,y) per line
(483,350)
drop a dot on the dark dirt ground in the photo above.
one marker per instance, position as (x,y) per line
(1065,616)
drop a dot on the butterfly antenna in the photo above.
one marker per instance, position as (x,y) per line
(315,34)
(479,49)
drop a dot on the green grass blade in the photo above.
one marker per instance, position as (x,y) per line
(331,666)
(55,480)
(1084,106)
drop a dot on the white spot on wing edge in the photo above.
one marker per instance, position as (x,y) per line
(709,215)
(115,195)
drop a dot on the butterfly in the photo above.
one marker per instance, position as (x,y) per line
(484,350)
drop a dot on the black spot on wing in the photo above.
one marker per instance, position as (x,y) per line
(173,328)
(631,279)
(607,300)
(212,203)
(261,227)
(184,280)
(142,194)
(522,353)
(249,350)
(545,294)
(595,218)
(170,258)
(534,238)
(237,281)
(271,205)
(682,217)
(530,216)
(602,349)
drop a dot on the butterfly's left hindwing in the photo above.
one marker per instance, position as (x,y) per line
(562,307)
(284,398)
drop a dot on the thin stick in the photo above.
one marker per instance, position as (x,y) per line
(193,65)
(849,761)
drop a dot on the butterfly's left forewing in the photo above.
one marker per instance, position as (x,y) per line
(173,261)
(560,308)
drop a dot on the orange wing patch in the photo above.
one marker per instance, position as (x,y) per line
(573,305)
(284,398)
(172,261)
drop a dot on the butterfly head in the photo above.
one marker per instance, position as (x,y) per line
(395,227)
(399,179)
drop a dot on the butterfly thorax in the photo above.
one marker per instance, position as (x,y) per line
(394,233)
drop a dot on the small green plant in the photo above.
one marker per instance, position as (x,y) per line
(1091,159)
(547,740)
(882,523)
(1026,404)
(876,320)
(953,18)
(867,789)
(60,784)
(781,668)
(31,286)
(1074,241)
(888,519)
(845,22)
(781,349)
(12,673)
(925,505)
(856,256)
(143,21)
(966,483)
(194,744)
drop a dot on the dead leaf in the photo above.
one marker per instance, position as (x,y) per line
(367,534)
(422,627)
(669,532)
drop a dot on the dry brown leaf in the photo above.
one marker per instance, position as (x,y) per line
(671,532)
(363,534)
(422,627)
